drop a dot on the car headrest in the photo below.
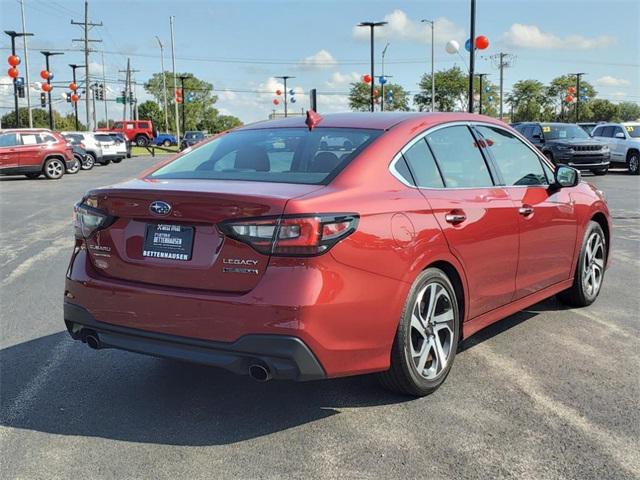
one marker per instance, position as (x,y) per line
(252,157)
(324,162)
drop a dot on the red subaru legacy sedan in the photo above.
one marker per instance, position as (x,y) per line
(340,245)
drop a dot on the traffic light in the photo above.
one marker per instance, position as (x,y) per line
(178,95)
(100,92)
(43,100)
(20,87)
(67,97)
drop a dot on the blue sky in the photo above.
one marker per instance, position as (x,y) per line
(239,46)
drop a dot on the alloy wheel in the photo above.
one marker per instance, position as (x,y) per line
(432,336)
(634,164)
(54,168)
(88,162)
(593,264)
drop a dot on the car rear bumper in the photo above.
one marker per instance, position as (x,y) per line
(286,357)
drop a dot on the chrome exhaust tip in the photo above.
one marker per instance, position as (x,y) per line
(260,373)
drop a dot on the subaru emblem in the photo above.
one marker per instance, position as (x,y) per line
(160,208)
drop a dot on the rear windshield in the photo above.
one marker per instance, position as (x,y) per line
(288,155)
(103,138)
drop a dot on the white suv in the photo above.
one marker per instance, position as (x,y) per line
(90,144)
(624,142)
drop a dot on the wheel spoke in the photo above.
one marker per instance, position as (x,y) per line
(424,355)
(440,356)
(443,317)
(418,326)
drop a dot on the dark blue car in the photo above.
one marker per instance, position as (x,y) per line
(165,139)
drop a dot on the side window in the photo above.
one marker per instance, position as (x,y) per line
(129,126)
(459,158)
(526,131)
(596,132)
(143,125)
(536,130)
(402,169)
(607,132)
(423,165)
(516,162)
(46,138)
(117,126)
(8,140)
(617,130)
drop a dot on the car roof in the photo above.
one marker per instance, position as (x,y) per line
(370,120)
(18,130)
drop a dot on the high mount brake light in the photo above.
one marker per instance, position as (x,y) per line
(292,235)
(89,220)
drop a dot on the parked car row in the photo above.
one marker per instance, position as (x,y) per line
(37,151)
(588,146)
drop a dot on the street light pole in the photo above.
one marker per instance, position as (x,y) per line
(433,78)
(480,77)
(26,63)
(578,76)
(372,26)
(75,104)
(48,54)
(164,85)
(13,36)
(284,80)
(472,56)
(384,52)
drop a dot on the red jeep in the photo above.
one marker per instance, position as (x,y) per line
(139,131)
(34,151)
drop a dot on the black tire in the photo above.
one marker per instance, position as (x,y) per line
(142,141)
(88,162)
(33,175)
(105,162)
(75,168)
(166,143)
(633,163)
(403,376)
(579,295)
(53,168)
(117,160)
(600,171)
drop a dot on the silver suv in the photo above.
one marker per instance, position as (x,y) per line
(624,142)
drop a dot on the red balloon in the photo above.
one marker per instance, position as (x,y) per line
(568,98)
(571,90)
(44,74)
(276,102)
(13,72)
(74,98)
(73,86)
(13,60)
(366,78)
(278,92)
(46,87)
(482,42)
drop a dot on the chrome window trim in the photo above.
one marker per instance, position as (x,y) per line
(470,124)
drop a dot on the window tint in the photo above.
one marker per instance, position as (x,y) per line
(526,131)
(402,169)
(47,138)
(459,158)
(423,165)
(289,155)
(8,140)
(517,163)
(103,138)
(536,130)
(597,132)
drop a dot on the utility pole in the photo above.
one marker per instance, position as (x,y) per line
(85,25)
(480,77)
(433,78)
(175,78)
(472,54)
(126,90)
(184,97)
(164,85)
(284,79)
(94,93)
(13,36)
(372,26)
(384,52)
(75,104)
(104,92)
(501,61)
(26,63)
(128,93)
(578,76)
(48,54)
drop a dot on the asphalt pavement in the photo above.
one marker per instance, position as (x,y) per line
(548,393)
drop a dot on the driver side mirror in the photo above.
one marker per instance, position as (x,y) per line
(537,138)
(619,135)
(566,176)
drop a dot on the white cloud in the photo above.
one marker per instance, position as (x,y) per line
(401,27)
(95,68)
(530,36)
(321,59)
(342,79)
(609,81)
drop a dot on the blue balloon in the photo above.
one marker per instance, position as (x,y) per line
(293,99)
(584,98)
(467,45)
(490,98)
(382,80)
(291,92)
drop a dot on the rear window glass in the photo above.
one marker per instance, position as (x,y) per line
(288,155)
(103,138)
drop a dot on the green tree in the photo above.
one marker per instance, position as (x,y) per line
(451,90)
(150,110)
(41,119)
(628,111)
(216,123)
(360,97)
(557,92)
(529,101)
(602,111)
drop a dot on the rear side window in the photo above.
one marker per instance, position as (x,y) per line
(8,140)
(459,158)
(517,163)
(144,125)
(103,138)
(29,138)
(47,138)
(288,155)
(423,165)
(606,132)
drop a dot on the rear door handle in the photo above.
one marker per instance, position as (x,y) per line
(525,210)
(455,217)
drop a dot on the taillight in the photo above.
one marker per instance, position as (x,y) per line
(89,220)
(292,235)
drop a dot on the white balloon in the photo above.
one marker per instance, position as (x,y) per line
(452,47)
(37,85)
(63,95)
